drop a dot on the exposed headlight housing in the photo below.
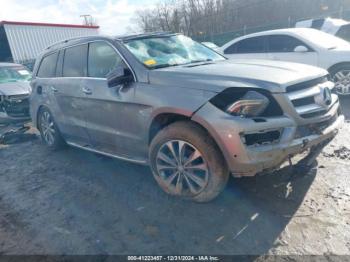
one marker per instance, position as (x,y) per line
(252,104)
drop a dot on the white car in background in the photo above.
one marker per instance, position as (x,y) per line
(301,45)
(333,26)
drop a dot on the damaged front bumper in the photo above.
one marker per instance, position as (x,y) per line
(14,109)
(254,146)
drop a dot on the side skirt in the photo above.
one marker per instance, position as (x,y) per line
(137,161)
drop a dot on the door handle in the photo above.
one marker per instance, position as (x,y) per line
(54,89)
(87,90)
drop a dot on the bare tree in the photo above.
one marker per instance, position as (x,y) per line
(199,18)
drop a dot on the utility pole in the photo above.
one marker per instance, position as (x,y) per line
(88,20)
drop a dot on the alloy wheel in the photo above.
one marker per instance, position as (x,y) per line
(342,82)
(182,168)
(47,128)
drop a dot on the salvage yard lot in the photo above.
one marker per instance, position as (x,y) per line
(75,202)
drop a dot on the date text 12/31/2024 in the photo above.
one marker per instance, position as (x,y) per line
(173,258)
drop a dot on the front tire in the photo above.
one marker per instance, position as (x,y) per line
(187,163)
(49,131)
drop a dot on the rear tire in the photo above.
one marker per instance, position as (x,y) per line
(186,162)
(49,132)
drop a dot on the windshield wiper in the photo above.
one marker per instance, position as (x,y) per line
(164,65)
(189,63)
(201,61)
(194,63)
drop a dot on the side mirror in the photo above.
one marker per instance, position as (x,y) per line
(119,76)
(301,49)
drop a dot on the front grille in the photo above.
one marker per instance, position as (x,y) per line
(303,101)
(308,98)
(315,114)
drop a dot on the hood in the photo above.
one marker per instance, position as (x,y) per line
(14,88)
(270,75)
(341,51)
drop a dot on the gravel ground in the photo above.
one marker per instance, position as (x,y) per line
(75,202)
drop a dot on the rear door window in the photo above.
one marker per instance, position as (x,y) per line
(102,59)
(47,67)
(248,46)
(283,44)
(75,61)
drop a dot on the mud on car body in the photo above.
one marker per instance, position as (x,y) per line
(14,93)
(171,103)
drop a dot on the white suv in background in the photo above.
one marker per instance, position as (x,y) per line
(301,45)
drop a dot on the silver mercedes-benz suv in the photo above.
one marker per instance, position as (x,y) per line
(192,115)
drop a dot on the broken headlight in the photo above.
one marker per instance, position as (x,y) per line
(252,104)
(247,102)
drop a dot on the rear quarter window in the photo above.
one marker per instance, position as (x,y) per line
(283,43)
(47,66)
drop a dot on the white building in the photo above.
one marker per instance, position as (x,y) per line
(21,42)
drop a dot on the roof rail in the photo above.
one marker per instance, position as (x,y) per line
(65,41)
(48,24)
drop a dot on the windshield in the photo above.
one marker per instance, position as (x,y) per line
(325,40)
(157,52)
(14,74)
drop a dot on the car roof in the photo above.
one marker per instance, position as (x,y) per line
(283,31)
(123,38)
(74,41)
(295,31)
(5,64)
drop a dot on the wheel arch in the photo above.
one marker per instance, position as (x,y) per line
(338,65)
(37,115)
(216,138)
(40,108)
(165,119)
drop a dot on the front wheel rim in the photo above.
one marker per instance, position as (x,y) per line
(181,168)
(342,81)
(47,128)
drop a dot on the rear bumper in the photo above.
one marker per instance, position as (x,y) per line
(247,160)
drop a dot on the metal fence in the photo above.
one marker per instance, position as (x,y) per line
(224,37)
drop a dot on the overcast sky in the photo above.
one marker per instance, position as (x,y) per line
(113,16)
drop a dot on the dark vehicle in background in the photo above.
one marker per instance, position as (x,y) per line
(14,93)
(167,101)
